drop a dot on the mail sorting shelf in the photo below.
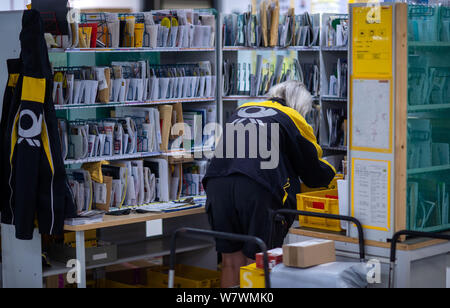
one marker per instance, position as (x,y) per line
(175,154)
(136,103)
(125,50)
(325,57)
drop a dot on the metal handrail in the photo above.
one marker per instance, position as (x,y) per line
(415,234)
(358,224)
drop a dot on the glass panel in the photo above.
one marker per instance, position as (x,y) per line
(428,118)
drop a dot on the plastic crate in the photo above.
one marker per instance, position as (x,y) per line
(326,202)
(186,277)
(252,277)
(333,185)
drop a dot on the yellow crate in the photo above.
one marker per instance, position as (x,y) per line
(333,185)
(319,202)
(252,277)
(186,277)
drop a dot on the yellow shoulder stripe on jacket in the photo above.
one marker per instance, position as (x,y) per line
(33,89)
(304,128)
(13,79)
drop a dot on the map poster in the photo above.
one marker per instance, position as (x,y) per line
(372,115)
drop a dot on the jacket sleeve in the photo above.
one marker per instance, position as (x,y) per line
(306,156)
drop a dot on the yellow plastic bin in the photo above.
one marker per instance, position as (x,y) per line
(186,277)
(252,277)
(325,202)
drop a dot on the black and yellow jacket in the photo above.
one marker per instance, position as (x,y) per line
(32,164)
(300,157)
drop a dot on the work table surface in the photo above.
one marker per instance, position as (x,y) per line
(114,221)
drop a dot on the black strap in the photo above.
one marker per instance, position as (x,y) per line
(279,100)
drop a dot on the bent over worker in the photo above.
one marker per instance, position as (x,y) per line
(265,149)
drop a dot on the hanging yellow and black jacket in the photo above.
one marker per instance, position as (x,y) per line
(32,163)
(299,155)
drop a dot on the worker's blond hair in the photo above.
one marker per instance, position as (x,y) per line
(295,94)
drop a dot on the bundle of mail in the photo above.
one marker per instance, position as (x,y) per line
(142,184)
(242,79)
(266,27)
(336,31)
(109,137)
(103,185)
(338,86)
(132,82)
(155,29)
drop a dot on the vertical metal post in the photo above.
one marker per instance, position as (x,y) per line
(219,69)
(81,257)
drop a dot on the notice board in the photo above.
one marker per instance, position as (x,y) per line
(372,119)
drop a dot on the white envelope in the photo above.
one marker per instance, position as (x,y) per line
(185,89)
(79,143)
(175,91)
(90,93)
(191,32)
(195,86)
(91,145)
(133,90)
(201,87)
(152,31)
(101,144)
(147,192)
(145,90)
(113,24)
(208,86)
(154,89)
(58,93)
(116,88)
(70,78)
(78,91)
(127,88)
(163,87)
(118,140)
(173,37)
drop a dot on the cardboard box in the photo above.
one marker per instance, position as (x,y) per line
(275,258)
(309,253)
(252,277)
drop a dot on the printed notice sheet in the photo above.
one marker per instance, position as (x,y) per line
(370,193)
(371,115)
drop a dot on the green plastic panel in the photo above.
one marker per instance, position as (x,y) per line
(428,186)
